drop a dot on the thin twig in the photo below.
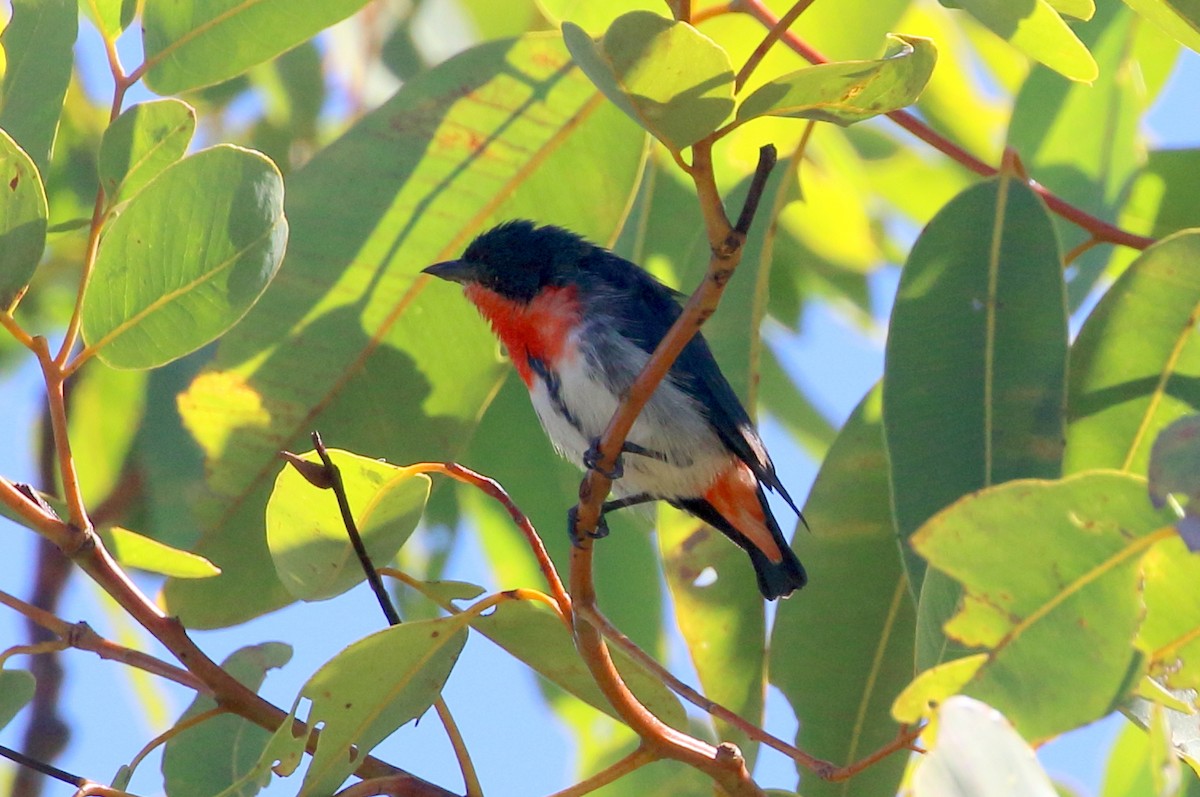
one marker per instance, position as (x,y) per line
(611,773)
(760,52)
(40,766)
(81,636)
(823,769)
(333,476)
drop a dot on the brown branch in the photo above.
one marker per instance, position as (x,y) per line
(1100,229)
(82,637)
(823,769)
(778,29)
(724,764)
(610,774)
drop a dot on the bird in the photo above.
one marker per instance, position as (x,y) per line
(579,322)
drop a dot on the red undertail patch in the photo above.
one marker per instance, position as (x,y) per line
(734,494)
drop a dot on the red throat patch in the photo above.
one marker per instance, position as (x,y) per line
(537,329)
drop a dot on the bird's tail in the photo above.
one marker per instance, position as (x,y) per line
(757,532)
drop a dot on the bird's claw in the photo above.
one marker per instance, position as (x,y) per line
(600,532)
(591,461)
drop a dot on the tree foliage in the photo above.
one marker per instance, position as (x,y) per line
(223,253)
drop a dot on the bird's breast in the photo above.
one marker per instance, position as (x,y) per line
(538,330)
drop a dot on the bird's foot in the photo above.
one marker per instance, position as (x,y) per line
(600,532)
(591,461)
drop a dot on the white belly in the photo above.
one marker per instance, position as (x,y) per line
(671,424)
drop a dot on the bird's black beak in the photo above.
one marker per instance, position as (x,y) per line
(452,270)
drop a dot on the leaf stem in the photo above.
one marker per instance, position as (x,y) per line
(610,774)
(776,31)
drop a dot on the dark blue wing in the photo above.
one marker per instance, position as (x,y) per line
(652,310)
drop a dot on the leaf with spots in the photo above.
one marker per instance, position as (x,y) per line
(849,91)
(1050,571)
(23,214)
(363,694)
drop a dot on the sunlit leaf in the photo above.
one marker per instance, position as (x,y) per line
(1036,29)
(591,16)
(38,49)
(371,688)
(1170,634)
(1162,200)
(847,92)
(976,753)
(1030,597)
(192,44)
(135,550)
(1179,19)
(1135,363)
(23,214)
(111,17)
(307,535)
(107,406)
(668,77)
(186,259)
(221,751)
(920,699)
(140,143)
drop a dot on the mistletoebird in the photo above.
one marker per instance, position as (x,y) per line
(579,323)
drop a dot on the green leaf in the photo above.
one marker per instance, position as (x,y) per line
(1179,19)
(38,48)
(720,615)
(134,550)
(143,141)
(978,754)
(110,17)
(849,91)
(107,407)
(851,551)
(23,214)
(187,258)
(1135,363)
(218,753)
(371,688)
(1173,735)
(1168,636)
(349,327)
(594,17)
(670,78)
(307,536)
(1035,599)
(1127,771)
(192,44)
(1163,199)
(920,699)
(1082,10)
(1036,29)
(16,689)
(973,385)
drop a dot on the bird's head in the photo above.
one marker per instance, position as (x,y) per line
(517,260)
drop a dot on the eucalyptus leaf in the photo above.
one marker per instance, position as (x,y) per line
(23,214)
(670,78)
(850,91)
(196,43)
(186,259)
